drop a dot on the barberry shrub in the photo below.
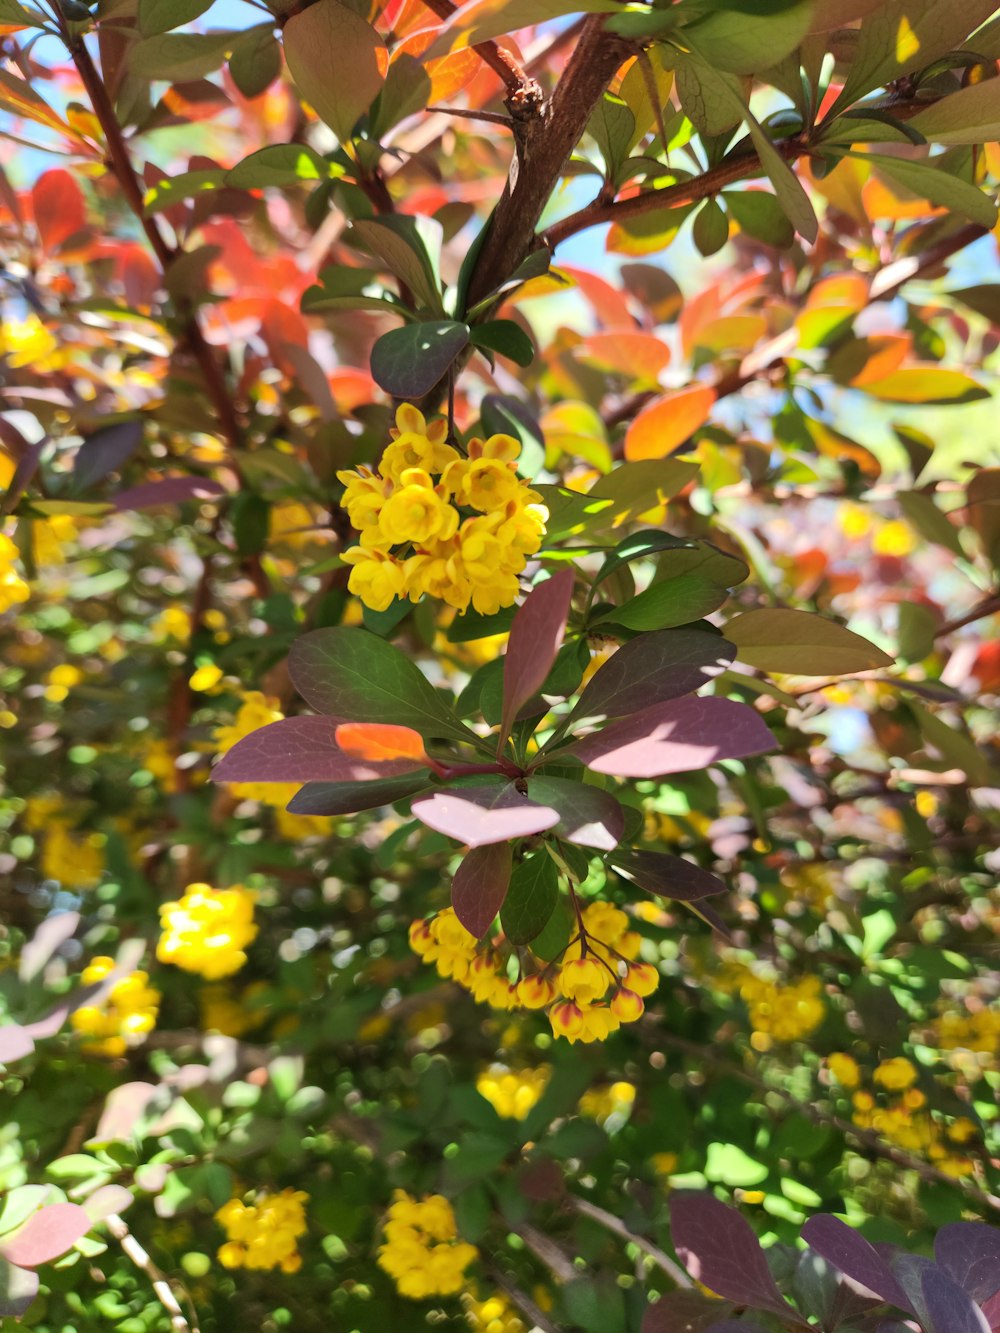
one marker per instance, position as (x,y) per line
(498,596)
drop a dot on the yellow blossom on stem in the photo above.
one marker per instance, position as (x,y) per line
(264,1234)
(207,930)
(125,1015)
(420,1248)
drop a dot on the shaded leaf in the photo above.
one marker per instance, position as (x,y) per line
(493,811)
(853,1255)
(970,1252)
(175,490)
(588,816)
(408,362)
(535,635)
(105,451)
(301,749)
(346,798)
(680,736)
(651,669)
(255,60)
(333,56)
(157,16)
(801,644)
(180,56)
(506,338)
(667,876)
(970,116)
(18,1288)
(718,1248)
(410,247)
(682,1312)
(480,886)
(531,898)
(350,673)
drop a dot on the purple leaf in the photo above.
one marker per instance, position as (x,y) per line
(535,638)
(992,1311)
(587,815)
(477,816)
(718,1248)
(480,886)
(652,668)
(667,876)
(46,1235)
(107,1200)
(949,1308)
(15,1043)
(105,451)
(970,1252)
(123,1109)
(300,749)
(345,798)
(676,737)
(18,1288)
(27,466)
(54,931)
(855,1257)
(173,491)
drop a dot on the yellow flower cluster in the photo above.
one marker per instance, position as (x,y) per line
(513,1092)
(224,1011)
(493,1315)
(906,1123)
(420,1249)
(126,1015)
(844,1068)
(258,710)
(435,523)
(263,1234)
(73,858)
(207,930)
(781,1012)
(607,1100)
(972,1038)
(13,588)
(599,964)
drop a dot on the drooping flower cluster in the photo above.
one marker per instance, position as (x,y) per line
(435,523)
(779,1011)
(495,1314)
(906,1122)
(125,1016)
(264,1234)
(421,1250)
(207,930)
(593,988)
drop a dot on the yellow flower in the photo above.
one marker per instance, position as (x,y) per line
(375,577)
(584,980)
(13,589)
(174,622)
(493,1315)
(60,680)
(207,930)
(263,1235)
(256,710)
(610,1099)
(420,1250)
(27,342)
(894,538)
(125,1015)
(416,512)
(512,1093)
(205,678)
(895,1074)
(844,1069)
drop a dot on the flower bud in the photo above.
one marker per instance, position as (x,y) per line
(535,992)
(642,978)
(626,1005)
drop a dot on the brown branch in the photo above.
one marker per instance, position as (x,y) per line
(521,1299)
(515,80)
(546,134)
(989,606)
(618,1228)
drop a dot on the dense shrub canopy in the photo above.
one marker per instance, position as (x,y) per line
(498,605)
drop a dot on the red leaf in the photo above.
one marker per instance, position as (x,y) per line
(480,886)
(299,749)
(667,876)
(59,207)
(535,637)
(379,742)
(477,816)
(652,668)
(676,737)
(173,491)
(46,1235)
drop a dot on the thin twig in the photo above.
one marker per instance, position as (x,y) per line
(543,1247)
(989,606)
(521,1299)
(493,117)
(159,1280)
(611,1223)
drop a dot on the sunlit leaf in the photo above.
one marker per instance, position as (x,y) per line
(333,56)
(801,644)
(668,422)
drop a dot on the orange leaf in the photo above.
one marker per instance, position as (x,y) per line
(640,356)
(378,741)
(59,208)
(863,361)
(663,426)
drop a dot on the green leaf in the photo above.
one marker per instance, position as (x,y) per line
(156,16)
(928,520)
(612,127)
(353,675)
(333,56)
(343,798)
(801,644)
(711,100)
(408,362)
(180,56)
(635,488)
(750,36)
(406,90)
(691,581)
(711,228)
(281,164)
(12,12)
(970,116)
(506,338)
(531,898)
(410,247)
(940,187)
(255,61)
(906,35)
(172,190)
(728,1162)
(761,216)
(956,747)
